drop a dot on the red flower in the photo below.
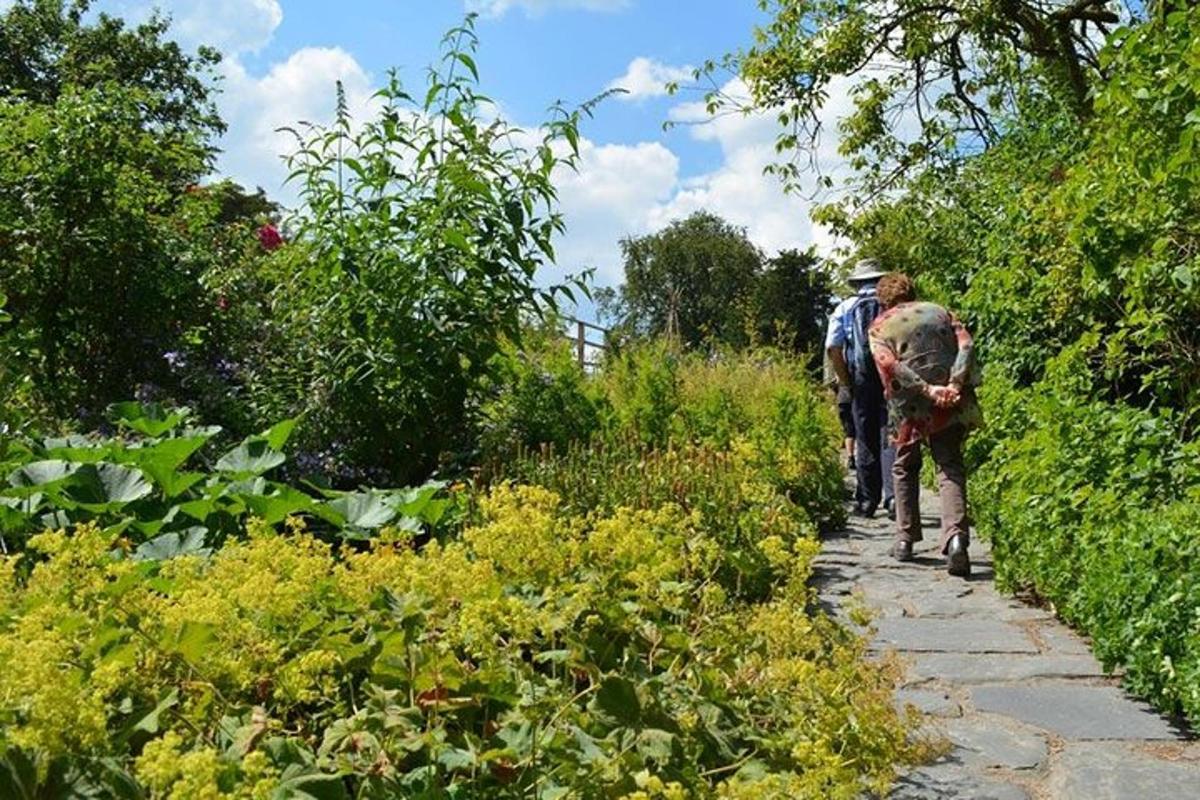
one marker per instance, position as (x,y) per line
(269,238)
(223,303)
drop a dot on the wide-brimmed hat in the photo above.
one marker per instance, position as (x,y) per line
(866,270)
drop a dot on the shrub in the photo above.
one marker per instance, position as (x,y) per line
(96,245)
(760,404)
(405,282)
(1087,506)
(539,397)
(542,653)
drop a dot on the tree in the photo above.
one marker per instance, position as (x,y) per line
(1067,240)
(930,81)
(694,281)
(50,46)
(105,238)
(100,255)
(793,296)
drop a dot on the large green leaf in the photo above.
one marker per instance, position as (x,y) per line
(369,510)
(282,503)
(162,459)
(251,457)
(172,545)
(42,473)
(279,434)
(617,701)
(18,776)
(102,487)
(311,786)
(192,640)
(150,722)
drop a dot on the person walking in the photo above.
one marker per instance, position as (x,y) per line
(845,408)
(848,348)
(925,358)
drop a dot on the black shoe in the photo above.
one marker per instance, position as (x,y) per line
(902,551)
(864,510)
(889,505)
(956,557)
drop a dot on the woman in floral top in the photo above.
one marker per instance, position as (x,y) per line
(925,358)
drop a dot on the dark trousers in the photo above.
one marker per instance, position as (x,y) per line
(946,447)
(873,452)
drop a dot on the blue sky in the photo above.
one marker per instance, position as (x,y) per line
(283,58)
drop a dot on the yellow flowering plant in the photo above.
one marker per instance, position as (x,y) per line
(622,621)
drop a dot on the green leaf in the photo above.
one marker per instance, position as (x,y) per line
(172,545)
(279,434)
(656,745)
(150,419)
(150,722)
(107,486)
(469,63)
(161,459)
(251,457)
(368,510)
(192,639)
(18,776)
(42,473)
(276,507)
(455,238)
(617,701)
(311,786)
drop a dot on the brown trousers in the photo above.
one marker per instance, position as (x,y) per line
(946,448)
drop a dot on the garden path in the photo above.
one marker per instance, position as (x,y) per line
(1029,710)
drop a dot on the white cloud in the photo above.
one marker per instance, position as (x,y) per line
(300,89)
(608,198)
(231,26)
(496,8)
(647,78)
(739,190)
(624,189)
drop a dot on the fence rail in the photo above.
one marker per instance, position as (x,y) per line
(580,337)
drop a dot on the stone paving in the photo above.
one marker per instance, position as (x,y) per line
(1028,710)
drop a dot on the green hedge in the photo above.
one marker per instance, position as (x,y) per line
(1093,507)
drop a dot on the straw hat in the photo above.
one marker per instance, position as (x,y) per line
(866,270)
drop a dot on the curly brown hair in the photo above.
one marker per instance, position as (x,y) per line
(895,288)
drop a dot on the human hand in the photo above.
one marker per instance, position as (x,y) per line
(945,396)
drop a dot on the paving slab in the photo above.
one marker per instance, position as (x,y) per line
(987,743)
(1074,711)
(1062,641)
(953,636)
(951,782)
(1109,771)
(934,702)
(997,668)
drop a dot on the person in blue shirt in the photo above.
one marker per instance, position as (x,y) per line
(849,350)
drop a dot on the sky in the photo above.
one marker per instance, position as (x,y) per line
(283,58)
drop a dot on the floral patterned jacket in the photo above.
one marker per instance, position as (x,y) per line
(917,345)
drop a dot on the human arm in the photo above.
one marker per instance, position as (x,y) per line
(964,362)
(837,357)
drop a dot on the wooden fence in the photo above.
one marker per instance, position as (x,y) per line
(578,333)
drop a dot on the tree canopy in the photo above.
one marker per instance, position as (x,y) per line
(702,281)
(929,81)
(49,46)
